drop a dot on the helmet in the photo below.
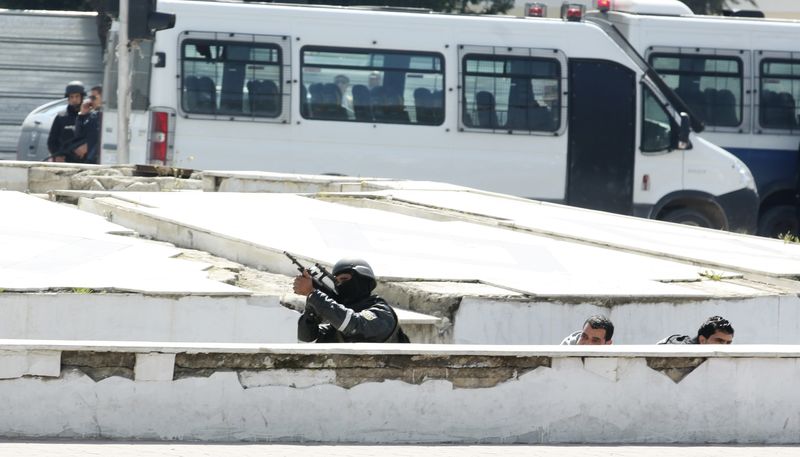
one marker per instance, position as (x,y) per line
(359,266)
(75,87)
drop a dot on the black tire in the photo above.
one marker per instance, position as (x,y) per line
(688,216)
(778,221)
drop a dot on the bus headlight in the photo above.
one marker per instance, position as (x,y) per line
(745,175)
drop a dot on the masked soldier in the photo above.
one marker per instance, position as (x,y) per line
(354,316)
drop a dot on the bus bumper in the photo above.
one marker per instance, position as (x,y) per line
(741,209)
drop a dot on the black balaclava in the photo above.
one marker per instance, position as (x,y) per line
(356,289)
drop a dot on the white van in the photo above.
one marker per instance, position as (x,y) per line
(540,108)
(741,77)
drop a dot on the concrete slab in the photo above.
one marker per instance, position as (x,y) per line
(398,246)
(49,246)
(717,249)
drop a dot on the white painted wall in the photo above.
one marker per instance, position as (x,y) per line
(588,397)
(771,319)
(132,317)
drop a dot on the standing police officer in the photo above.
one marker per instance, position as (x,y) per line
(356,316)
(61,142)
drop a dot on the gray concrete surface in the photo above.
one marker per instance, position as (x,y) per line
(118,449)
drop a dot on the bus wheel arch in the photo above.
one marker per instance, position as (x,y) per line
(693,210)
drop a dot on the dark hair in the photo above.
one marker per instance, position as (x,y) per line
(603,322)
(98,89)
(714,324)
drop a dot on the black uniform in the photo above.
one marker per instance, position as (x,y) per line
(61,141)
(679,339)
(87,128)
(369,320)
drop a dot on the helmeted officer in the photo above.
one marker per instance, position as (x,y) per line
(355,316)
(61,142)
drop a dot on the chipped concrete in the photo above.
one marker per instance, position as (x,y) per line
(352,370)
(100,365)
(675,368)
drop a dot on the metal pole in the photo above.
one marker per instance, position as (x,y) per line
(123,85)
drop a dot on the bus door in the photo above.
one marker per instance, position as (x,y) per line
(602,131)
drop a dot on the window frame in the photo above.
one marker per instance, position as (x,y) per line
(743,57)
(647,85)
(465,51)
(354,50)
(760,58)
(282,42)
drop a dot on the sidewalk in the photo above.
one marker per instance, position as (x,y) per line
(119,449)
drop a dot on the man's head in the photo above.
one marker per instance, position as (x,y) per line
(75,92)
(96,97)
(342,81)
(374,79)
(354,280)
(597,330)
(715,330)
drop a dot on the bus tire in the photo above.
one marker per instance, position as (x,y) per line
(778,220)
(688,216)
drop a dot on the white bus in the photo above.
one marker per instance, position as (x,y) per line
(741,77)
(540,108)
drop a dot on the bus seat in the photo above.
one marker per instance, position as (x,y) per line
(437,107)
(332,102)
(395,110)
(361,103)
(263,97)
(485,107)
(788,109)
(725,107)
(206,95)
(377,99)
(423,105)
(316,103)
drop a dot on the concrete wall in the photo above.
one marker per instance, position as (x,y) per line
(133,317)
(773,319)
(394,394)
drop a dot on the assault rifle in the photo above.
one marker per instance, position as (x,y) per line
(317,276)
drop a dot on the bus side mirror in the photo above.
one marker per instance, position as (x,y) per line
(684,131)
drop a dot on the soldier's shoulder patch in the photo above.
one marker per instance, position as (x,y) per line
(368,315)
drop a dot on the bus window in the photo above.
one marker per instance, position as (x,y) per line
(656,125)
(231,79)
(710,85)
(780,92)
(375,86)
(511,93)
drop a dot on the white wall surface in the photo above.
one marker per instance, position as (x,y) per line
(771,319)
(737,395)
(132,317)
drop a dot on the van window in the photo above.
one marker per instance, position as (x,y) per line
(231,79)
(140,64)
(710,85)
(375,86)
(656,124)
(511,93)
(780,93)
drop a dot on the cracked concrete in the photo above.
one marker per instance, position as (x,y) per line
(465,372)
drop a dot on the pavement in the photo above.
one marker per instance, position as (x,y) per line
(140,449)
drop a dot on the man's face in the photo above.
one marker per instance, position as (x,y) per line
(596,336)
(718,337)
(97,99)
(342,278)
(75,99)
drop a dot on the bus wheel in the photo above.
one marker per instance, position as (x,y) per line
(778,220)
(688,216)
